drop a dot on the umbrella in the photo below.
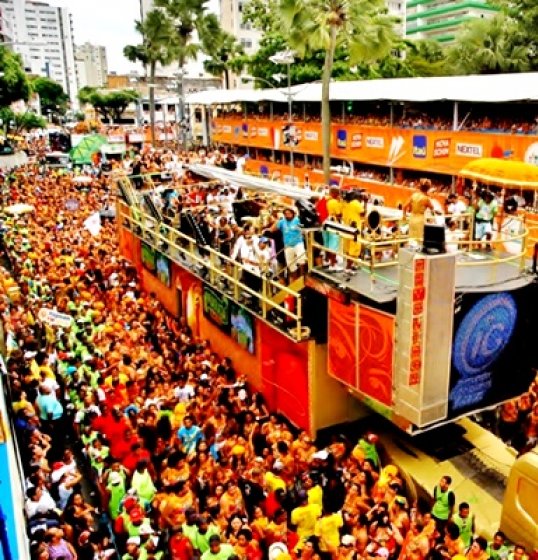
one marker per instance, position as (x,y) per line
(506,173)
(82,180)
(82,152)
(18,209)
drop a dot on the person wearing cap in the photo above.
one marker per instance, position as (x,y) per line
(346,550)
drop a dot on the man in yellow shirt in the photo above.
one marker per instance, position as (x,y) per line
(352,216)
(314,492)
(304,517)
(328,531)
(331,239)
(273,482)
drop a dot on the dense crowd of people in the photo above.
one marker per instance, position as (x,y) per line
(414,118)
(139,442)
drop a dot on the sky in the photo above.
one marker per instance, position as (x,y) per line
(111,23)
(105,22)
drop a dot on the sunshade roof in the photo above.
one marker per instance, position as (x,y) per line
(493,88)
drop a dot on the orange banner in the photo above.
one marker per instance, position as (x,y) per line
(439,151)
(376,344)
(360,349)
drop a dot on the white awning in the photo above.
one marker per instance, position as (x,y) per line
(495,88)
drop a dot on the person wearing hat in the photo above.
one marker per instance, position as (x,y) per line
(346,550)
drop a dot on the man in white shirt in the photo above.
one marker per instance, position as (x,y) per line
(38,502)
(241,162)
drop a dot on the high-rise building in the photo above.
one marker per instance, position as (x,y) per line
(43,36)
(440,20)
(6,31)
(396,8)
(231,20)
(92,67)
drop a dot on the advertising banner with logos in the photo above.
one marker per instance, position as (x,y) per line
(493,354)
(441,151)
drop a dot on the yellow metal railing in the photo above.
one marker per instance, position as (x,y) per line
(378,251)
(222,272)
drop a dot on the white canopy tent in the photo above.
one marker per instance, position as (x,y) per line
(495,88)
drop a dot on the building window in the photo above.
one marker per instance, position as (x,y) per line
(246,43)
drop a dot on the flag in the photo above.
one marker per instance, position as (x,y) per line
(93,223)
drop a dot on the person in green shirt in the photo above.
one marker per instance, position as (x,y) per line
(443,503)
(190,527)
(205,531)
(218,550)
(464,519)
(518,553)
(497,549)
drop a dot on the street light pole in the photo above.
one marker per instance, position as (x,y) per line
(181,132)
(287,57)
(290,124)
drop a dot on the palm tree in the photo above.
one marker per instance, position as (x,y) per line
(490,46)
(190,18)
(360,26)
(157,47)
(226,55)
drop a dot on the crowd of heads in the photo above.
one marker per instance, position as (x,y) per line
(139,442)
(477,119)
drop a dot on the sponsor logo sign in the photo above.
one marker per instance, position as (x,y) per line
(341,139)
(469,150)
(54,318)
(420,146)
(441,148)
(356,140)
(377,142)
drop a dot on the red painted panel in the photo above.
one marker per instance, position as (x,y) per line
(342,345)
(285,375)
(376,344)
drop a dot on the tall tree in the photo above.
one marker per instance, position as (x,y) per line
(196,30)
(157,47)
(524,13)
(490,46)
(193,25)
(52,96)
(14,84)
(225,55)
(362,27)
(110,105)
(19,122)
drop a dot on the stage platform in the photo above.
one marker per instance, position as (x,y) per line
(475,272)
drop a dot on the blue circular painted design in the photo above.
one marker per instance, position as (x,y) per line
(484,333)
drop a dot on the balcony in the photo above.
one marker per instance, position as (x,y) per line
(279,305)
(368,261)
